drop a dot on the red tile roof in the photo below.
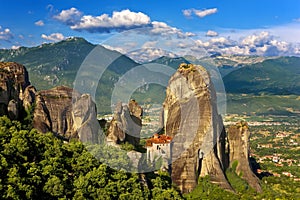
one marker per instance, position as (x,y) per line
(158,139)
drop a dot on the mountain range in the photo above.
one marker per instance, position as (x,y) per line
(55,64)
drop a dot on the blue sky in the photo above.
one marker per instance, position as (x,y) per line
(232,27)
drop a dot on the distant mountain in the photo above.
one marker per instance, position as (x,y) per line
(56,64)
(275,76)
(51,64)
(171,62)
(237,60)
(225,63)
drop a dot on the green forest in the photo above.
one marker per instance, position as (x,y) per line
(41,166)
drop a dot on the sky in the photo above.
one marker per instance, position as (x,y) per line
(249,27)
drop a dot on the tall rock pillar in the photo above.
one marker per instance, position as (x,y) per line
(192,120)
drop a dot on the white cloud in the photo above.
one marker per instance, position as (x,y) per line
(15,47)
(220,40)
(236,50)
(6,34)
(121,50)
(204,13)
(163,29)
(187,12)
(257,39)
(199,13)
(148,54)
(119,21)
(70,17)
(149,44)
(189,34)
(296,50)
(211,33)
(281,45)
(200,43)
(39,23)
(259,43)
(53,37)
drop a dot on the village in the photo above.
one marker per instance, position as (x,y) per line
(274,144)
(274,141)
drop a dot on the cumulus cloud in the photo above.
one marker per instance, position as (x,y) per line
(211,33)
(189,34)
(118,21)
(257,39)
(149,44)
(6,34)
(259,43)
(262,44)
(163,29)
(266,44)
(149,54)
(201,43)
(221,41)
(204,13)
(53,37)
(121,50)
(187,12)
(236,50)
(199,13)
(15,47)
(70,17)
(296,50)
(39,23)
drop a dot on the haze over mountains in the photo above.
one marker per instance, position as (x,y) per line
(56,64)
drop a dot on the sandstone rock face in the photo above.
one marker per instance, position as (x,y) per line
(85,123)
(238,138)
(191,118)
(115,133)
(13,81)
(53,109)
(55,112)
(13,109)
(41,119)
(29,96)
(58,102)
(126,124)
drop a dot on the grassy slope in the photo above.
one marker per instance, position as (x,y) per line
(263,104)
(276,76)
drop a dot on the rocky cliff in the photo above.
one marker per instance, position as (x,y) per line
(126,124)
(57,112)
(13,82)
(191,118)
(238,138)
